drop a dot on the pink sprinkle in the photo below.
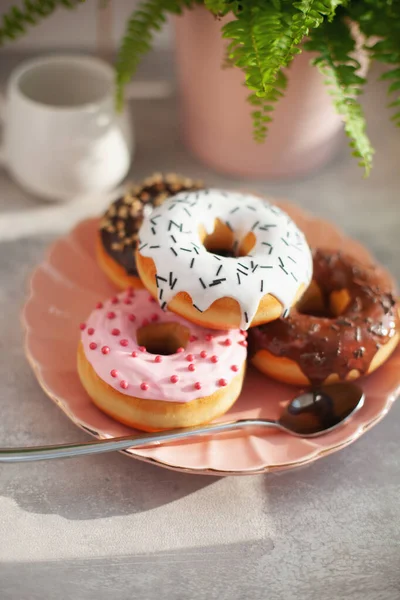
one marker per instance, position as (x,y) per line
(151,299)
(190,357)
(214,359)
(111,315)
(82,326)
(144,386)
(193,338)
(114,373)
(180,350)
(127,301)
(243,343)
(222,382)
(191,367)
(208,337)
(134,354)
(132,317)
(228,342)
(114,300)
(158,359)
(154,317)
(203,354)
(235,368)
(93,345)
(90,331)
(105,349)
(115,331)
(142,348)
(174,378)
(145,322)
(123,384)
(99,305)
(197,385)
(244,333)
(123,342)
(130,291)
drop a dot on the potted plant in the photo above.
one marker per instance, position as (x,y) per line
(264,39)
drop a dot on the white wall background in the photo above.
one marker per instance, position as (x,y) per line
(85,27)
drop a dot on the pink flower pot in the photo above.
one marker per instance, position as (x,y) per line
(216,117)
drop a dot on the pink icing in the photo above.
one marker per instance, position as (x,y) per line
(210,360)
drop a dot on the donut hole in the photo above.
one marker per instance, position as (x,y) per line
(163,338)
(222,241)
(316,303)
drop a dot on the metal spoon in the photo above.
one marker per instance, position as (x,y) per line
(309,414)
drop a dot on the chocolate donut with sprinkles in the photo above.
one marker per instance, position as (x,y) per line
(119,227)
(223,259)
(152,370)
(346,326)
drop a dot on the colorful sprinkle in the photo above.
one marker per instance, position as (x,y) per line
(174,379)
(105,350)
(93,345)
(197,385)
(234,368)
(151,299)
(99,305)
(228,342)
(114,373)
(82,326)
(123,384)
(203,354)
(124,342)
(132,317)
(222,382)
(154,317)
(158,359)
(134,354)
(127,301)
(180,350)
(90,331)
(243,343)
(144,386)
(191,367)
(111,315)
(208,337)
(145,322)
(193,338)
(214,359)
(190,357)
(142,348)
(115,331)
(114,300)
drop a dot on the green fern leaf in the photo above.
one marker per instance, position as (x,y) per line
(145,20)
(14,22)
(334,44)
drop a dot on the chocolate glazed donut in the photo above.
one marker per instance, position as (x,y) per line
(119,227)
(361,331)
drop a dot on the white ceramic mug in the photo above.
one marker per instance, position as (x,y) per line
(62,135)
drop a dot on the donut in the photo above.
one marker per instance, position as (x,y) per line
(223,260)
(153,370)
(119,227)
(346,325)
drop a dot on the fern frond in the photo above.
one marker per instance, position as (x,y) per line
(15,21)
(144,22)
(381,19)
(334,44)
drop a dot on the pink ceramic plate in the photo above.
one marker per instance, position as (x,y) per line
(64,289)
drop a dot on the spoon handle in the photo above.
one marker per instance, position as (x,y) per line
(122,443)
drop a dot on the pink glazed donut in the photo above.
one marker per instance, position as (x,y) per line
(154,370)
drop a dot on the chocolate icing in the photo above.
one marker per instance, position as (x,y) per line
(120,225)
(321,345)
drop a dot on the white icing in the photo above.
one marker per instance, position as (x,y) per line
(279,263)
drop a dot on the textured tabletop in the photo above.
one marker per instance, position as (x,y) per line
(110,527)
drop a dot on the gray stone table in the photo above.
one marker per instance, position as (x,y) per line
(109,527)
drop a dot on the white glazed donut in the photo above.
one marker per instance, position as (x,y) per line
(153,370)
(269,269)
